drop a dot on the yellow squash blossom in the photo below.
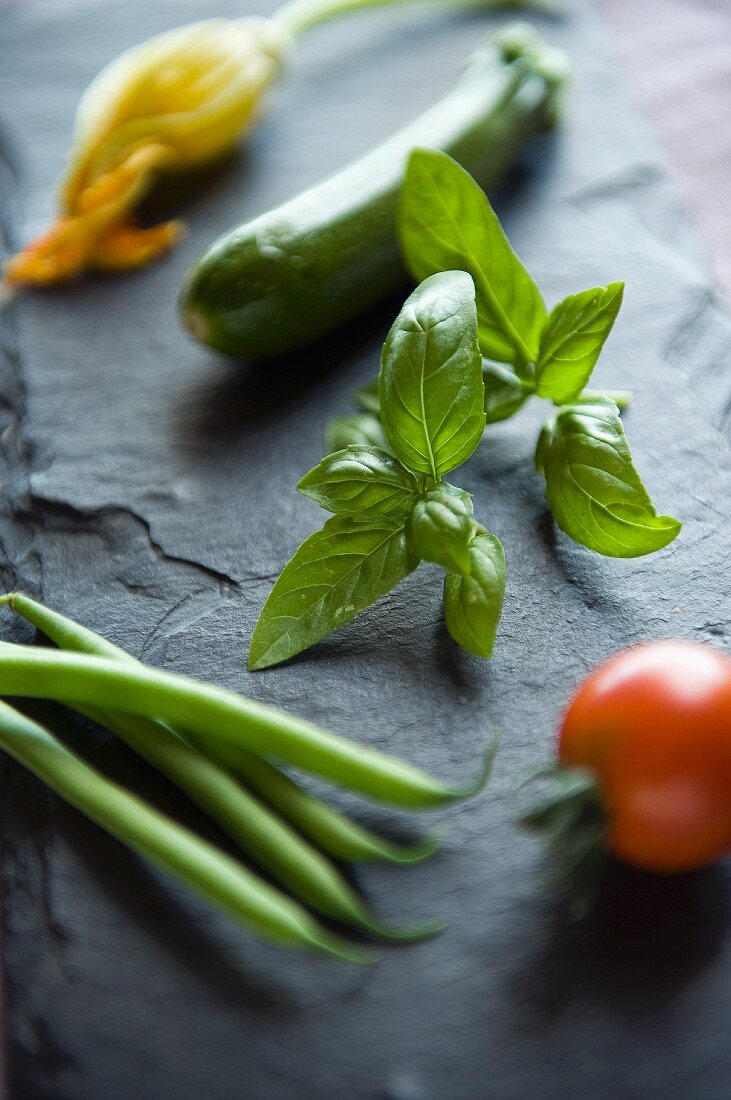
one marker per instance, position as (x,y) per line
(175,102)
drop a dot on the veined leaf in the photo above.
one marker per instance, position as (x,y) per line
(593,489)
(445,223)
(360,481)
(361,428)
(473,604)
(335,574)
(573,339)
(430,385)
(504,392)
(440,527)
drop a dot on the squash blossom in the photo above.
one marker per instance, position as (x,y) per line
(173,103)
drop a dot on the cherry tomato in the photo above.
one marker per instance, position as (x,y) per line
(654,724)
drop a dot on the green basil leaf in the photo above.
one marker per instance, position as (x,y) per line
(359,481)
(335,574)
(361,428)
(367,397)
(573,339)
(504,392)
(593,489)
(446,222)
(440,527)
(430,385)
(473,604)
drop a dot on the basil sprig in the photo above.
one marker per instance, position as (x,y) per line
(593,489)
(394,509)
(470,346)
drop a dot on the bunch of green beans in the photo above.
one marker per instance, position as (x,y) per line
(207,741)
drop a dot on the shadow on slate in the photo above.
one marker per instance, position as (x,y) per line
(646,940)
(259,391)
(148,491)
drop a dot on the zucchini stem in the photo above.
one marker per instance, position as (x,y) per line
(298,16)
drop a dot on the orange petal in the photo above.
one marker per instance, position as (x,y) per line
(96,233)
(129,247)
(57,254)
(124,186)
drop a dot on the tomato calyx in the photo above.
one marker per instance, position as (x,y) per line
(567,811)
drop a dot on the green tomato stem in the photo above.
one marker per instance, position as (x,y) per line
(569,813)
(270,914)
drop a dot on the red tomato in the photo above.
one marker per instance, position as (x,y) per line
(654,724)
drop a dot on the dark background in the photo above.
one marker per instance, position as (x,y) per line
(149,493)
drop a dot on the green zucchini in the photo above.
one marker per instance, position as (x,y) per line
(286,278)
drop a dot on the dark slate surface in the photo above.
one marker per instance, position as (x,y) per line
(148,491)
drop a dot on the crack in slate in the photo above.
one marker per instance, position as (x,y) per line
(38,510)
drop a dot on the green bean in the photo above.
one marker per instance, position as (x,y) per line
(260,832)
(332,831)
(269,913)
(178,700)
(255,828)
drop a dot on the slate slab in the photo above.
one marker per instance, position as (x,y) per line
(148,490)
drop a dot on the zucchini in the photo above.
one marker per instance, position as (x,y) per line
(286,278)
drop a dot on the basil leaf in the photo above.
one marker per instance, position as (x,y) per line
(362,428)
(430,385)
(367,397)
(361,481)
(335,574)
(446,222)
(593,489)
(573,339)
(504,392)
(440,527)
(473,604)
